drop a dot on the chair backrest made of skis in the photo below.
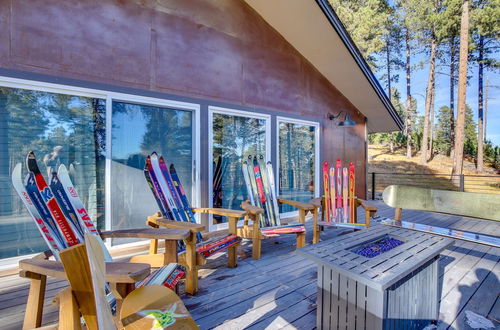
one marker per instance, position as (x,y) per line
(261,189)
(168,191)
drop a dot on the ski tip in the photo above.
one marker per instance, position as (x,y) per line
(172,168)
(16,172)
(31,164)
(154,154)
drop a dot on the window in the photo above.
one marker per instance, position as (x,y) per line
(234,135)
(138,130)
(60,129)
(298,161)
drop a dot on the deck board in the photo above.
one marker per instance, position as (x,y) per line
(279,290)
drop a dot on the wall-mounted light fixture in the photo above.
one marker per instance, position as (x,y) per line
(347,122)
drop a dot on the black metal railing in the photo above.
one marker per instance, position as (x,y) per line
(377,182)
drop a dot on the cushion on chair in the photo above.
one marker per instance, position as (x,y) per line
(288,229)
(218,244)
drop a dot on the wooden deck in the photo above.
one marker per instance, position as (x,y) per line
(279,290)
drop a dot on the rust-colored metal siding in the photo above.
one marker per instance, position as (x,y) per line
(216,50)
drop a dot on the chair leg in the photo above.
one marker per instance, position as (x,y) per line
(256,248)
(316,231)
(397,215)
(301,240)
(191,265)
(232,256)
(69,314)
(34,306)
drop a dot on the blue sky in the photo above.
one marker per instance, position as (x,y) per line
(419,83)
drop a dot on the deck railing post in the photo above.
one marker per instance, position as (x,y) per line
(373,185)
(462,185)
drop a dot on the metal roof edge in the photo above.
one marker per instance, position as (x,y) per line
(356,54)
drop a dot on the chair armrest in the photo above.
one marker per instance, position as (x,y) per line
(190,226)
(366,205)
(297,204)
(149,233)
(316,202)
(223,212)
(253,210)
(116,272)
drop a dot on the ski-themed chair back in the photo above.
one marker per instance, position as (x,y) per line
(176,212)
(263,203)
(339,202)
(145,307)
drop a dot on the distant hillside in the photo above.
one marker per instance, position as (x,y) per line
(381,160)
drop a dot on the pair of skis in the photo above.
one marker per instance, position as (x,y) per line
(261,189)
(339,187)
(56,208)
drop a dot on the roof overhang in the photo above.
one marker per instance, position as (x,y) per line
(316,32)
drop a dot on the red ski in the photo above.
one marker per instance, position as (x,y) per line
(326,188)
(50,201)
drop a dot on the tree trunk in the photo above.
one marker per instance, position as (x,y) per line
(408,97)
(388,59)
(428,101)
(480,134)
(452,97)
(486,108)
(431,126)
(458,160)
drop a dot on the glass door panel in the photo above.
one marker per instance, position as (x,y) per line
(297,148)
(137,131)
(234,138)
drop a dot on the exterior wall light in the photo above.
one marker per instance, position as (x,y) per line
(347,122)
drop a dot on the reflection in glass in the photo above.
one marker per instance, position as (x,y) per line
(139,130)
(60,129)
(234,138)
(296,161)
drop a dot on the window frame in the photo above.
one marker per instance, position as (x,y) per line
(238,113)
(111,96)
(317,149)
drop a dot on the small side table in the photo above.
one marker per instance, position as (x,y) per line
(395,289)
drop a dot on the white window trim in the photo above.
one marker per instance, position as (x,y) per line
(110,96)
(240,113)
(316,156)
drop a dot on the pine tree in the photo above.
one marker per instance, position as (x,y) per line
(462,85)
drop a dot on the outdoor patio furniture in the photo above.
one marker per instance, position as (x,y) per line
(378,278)
(370,210)
(190,257)
(144,308)
(122,276)
(254,231)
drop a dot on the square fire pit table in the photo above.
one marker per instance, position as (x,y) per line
(378,278)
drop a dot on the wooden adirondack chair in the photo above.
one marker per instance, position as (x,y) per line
(144,308)
(254,229)
(122,276)
(319,203)
(191,258)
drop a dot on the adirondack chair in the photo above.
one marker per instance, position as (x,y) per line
(263,211)
(146,307)
(174,206)
(122,276)
(319,203)
(339,203)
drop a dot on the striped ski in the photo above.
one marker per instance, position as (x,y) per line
(267,193)
(345,192)
(66,206)
(332,194)
(352,185)
(326,188)
(164,187)
(338,191)
(153,190)
(183,197)
(247,182)
(50,201)
(158,189)
(260,190)
(48,229)
(173,192)
(272,187)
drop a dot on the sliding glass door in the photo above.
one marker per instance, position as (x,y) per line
(298,161)
(137,131)
(234,136)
